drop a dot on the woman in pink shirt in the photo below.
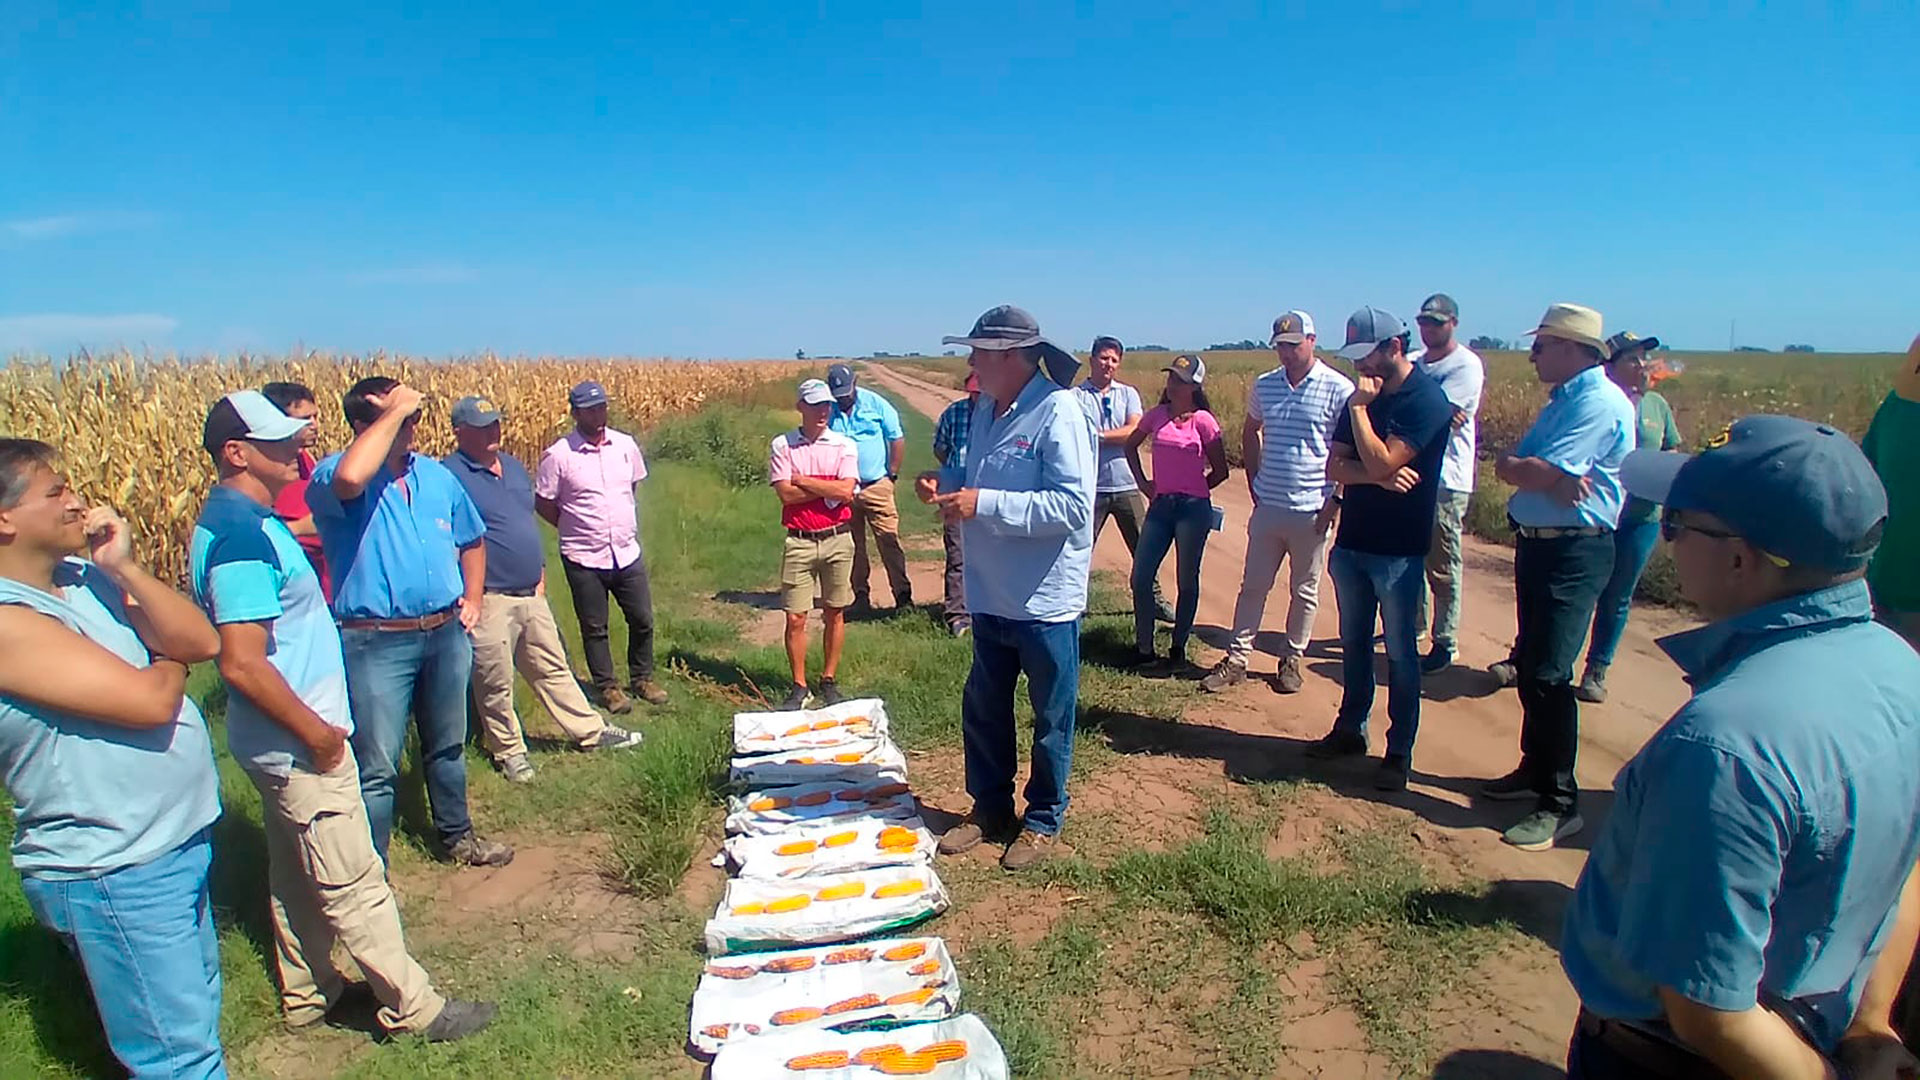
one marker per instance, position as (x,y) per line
(1189,461)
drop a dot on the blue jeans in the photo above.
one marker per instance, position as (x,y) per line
(145,936)
(1183,520)
(1049,654)
(1391,586)
(1632,547)
(394,675)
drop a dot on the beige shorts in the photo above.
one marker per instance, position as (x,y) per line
(822,568)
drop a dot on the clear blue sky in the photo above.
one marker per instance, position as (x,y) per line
(842,177)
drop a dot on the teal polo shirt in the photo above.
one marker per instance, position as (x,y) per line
(394,550)
(1759,841)
(872,425)
(1587,429)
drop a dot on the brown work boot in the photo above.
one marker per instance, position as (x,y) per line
(650,692)
(473,850)
(1030,849)
(1289,680)
(616,700)
(969,833)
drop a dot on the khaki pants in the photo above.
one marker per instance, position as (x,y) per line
(330,891)
(873,509)
(519,632)
(1275,533)
(1443,570)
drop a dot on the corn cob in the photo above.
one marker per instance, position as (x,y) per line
(788,903)
(912,997)
(950,1050)
(849,956)
(788,963)
(864,1001)
(822,1059)
(745,971)
(798,1016)
(844,891)
(874,1055)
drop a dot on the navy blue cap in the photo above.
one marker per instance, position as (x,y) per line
(840,380)
(587,395)
(1797,490)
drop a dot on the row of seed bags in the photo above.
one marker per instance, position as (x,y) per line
(826,846)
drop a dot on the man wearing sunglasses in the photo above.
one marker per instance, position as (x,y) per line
(1116,412)
(1748,910)
(1567,472)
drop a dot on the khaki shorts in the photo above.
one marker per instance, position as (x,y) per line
(823,568)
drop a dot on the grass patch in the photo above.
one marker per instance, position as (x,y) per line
(1027,995)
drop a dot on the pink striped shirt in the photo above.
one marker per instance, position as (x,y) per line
(593,486)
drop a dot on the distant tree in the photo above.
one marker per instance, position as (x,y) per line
(882,355)
(1490,344)
(1149,348)
(949,352)
(1751,348)
(1799,348)
(1244,345)
(799,354)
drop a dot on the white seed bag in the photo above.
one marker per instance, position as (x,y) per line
(832,847)
(965,1050)
(898,980)
(775,810)
(859,761)
(808,729)
(759,914)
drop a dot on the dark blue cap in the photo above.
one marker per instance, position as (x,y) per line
(587,395)
(840,380)
(1797,490)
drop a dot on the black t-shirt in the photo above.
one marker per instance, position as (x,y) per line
(1378,521)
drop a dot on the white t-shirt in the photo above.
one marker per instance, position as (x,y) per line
(1461,375)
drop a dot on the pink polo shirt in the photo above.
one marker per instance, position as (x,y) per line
(593,486)
(832,456)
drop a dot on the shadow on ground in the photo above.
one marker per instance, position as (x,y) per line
(1494,1065)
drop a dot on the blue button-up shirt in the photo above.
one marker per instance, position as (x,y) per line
(1030,543)
(1587,429)
(394,550)
(1758,843)
(872,424)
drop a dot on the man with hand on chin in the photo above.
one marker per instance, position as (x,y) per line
(288,723)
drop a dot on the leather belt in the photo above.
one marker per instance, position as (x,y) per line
(1551,532)
(393,626)
(819,534)
(519,593)
(1658,1056)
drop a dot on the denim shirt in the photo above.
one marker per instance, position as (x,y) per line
(1587,429)
(1758,843)
(1030,543)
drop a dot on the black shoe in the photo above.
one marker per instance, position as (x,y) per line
(460,1019)
(1138,661)
(1512,787)
(902,601)
(795,701)
(830,693)
(1437,660)
(1337,744)
(1393,774)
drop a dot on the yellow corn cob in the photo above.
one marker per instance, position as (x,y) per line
(950,1050)
(849,956)
(798,1016)
(789,963)
(840,839)
(907,1065)
(910,951)
(825,725)
(752,908)
(789,903)
(714,1031)
(898,888)
(746,971)
(844,891)
(924,967)
(912,997)
(874,1055)
(772,802)
(821,1059)
(852,1004)
(796,847)
(800,730)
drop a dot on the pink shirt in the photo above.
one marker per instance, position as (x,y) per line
(832,456)
(1180,450)
(593,486)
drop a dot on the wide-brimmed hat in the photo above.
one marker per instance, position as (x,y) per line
(1008,327)
(1572,322)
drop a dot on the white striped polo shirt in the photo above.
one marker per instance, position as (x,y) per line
(1297,434)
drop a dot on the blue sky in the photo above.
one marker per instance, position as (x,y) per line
(652,180)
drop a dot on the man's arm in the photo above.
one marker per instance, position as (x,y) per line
(245,667)
(801,489)
(546,489)
(1379,457)
(1874,1017)
(1250,450)
(896,453)
(369,450)
(1753,1044)
(1063,500)
(1560,466)
(548,510)
(473,577)
(168,623)
(1119,436)
(44,662)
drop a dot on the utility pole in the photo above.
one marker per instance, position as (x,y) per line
(1731,323)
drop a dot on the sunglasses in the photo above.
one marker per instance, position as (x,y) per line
(1671,527)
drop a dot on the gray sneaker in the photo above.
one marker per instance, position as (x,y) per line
(1593,685)
(459,1019)
(1505,673)
(1539,830)
(517,769)
(1289,681)
(472,850)
(1226,673)
(612,738)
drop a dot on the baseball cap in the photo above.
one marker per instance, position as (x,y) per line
(1801,492)
(1440,306)
(246,414)
(1188,369)
(1366,329)
(1627,339)
(1008,327)
(475,411)
(587,395)
(840,380)
(815,392)
(1292,328)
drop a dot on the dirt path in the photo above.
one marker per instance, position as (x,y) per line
(1469,729)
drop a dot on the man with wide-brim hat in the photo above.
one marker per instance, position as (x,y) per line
(1567,472)
(1025,508)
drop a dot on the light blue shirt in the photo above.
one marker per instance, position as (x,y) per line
(394,550)
(1030,543)
(1758,843)
(91,797)
(246,567)
(872,425)
(1587,429)
(1115,407)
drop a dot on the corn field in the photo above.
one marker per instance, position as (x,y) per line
(128,427)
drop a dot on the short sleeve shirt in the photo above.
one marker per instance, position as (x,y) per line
(1115,407)
(1462,375)
(1893,445)
(1654,430)
(832,456)
(1378,521)
(1180,451)
(872,425)
(515,555)
(1296,435)
(246,567)
(592,484)
(1585,430)
(394,549)
(291,505)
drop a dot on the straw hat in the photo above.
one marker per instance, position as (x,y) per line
(1572,322)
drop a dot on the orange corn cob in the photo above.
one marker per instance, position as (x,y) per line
(802,761)
(845,891)
(910,951)
(823,1059)
(818,798)
(864,1001)
(799,730)
(715,1031)
(925,967)
(852,757)
(849,795)
(773,802)
(849,956)
(825,725)
(798,1016)
(908,1065)
(788,903)
(797,847)
(898,888)
(839,839)
(762,737)
(746,971)
(912,997)
(752,908)
(951,1050)
(897,832)
(874,1055)
(886,791)
(789,963)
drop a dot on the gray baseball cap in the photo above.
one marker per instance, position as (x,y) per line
(1440,306)
(475,411)
(1008,327)
(840,380)
(815,392)
(1366,329)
